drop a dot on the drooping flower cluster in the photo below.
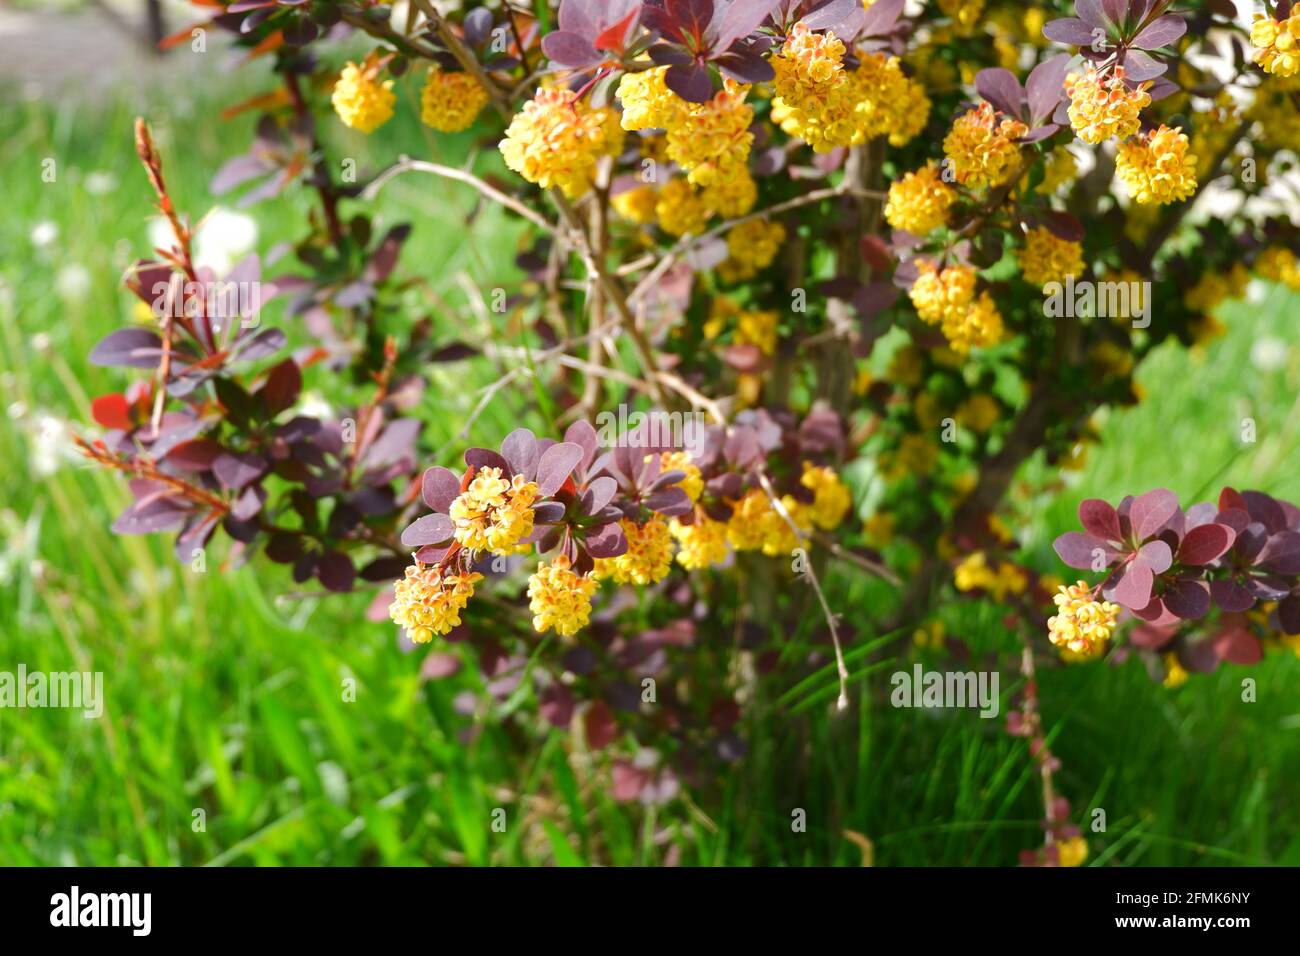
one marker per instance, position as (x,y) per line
(360,100)
(982,147)
(1157,167)
(701,543)
(1277,43)
(648,557)
(1103,106)
(557,138)
(831,497)
(560,598)
(1046,257)
(1082,624)
(751,247)
(450,102)
(429,599)
(494,513)
(919,202)
(976,573)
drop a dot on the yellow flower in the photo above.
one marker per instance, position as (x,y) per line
(974,573)
(1081,625)
(808,66)
(980,326)
(755,525)
(965,14)
(647,101)
(1047,257)
(494,513)
(906,366)
(981,148)
(648,557)
(1277,264)
(1214,287)
(1157,167)
(1277,43)
(1102,106)
(919,201)
(693,483)
(681,209)
(879,529)
(556,139)
(560,598)
(1060,168)
(712,140)
(701,543)
(450,102)
(885,101)
(1175,674)
(916,455)
(732,195)
(1072,852)
(979,413)
(429,600)
(930,635)
(942,295)
(927,409)
(831,497)
(636,204)
(360,101)
(755,327)
(751,246)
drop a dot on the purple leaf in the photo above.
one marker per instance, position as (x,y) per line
(1041,133)
(259,345)
(880,19)
(520,450)
(1133,590)
(1156,555)
(1282,553)
(131,348)
(439,488)
(336,571)
(431,529)
(570,49)
(150,515)
(1188,599)
(1080,550)
(608,541)
(1266,510)
(1001,88)
(831,15)
(1231,596)
(1162,31)
(1045,86)
(1100,520)
(1092,13)
(556,465)
(235,173)
(548,512)
(692,83)
(581,433)
(1205,543)
(236,471)
(479,458)
(598,494)
(1288,614)
(670,501)
(1069,30)
(1139,66)
(745,66)
(1149,512)
(742,18)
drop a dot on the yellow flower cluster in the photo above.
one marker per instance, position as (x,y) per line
(1277,43)
(1102,106)
(693,483)
(915,455)
(360,100)
(1072,852)
(647,101)
(648,557)
(808,67)
(450,102)
(560,598)
(757,327)
(1059,169)
(1279,265)
(636,204)
(919,201)
(1157,167)
(701,543)
(942,295)
(494,513)
(975,573)
(681,208)
(965,14)
(1215,287)
(1047,257)
(1081,624)
(556,139)
(751,246)
(979,413)
(981,146)
(886,101)
(428,601)
(831,497)
(980,327)
(757,526)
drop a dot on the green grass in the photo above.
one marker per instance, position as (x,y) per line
(225,697)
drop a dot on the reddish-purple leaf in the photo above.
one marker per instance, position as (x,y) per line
(741,19)
(1139,66)
(599,493)
(1045,86)
(555,466)
(881,18)
(692,83)
(439,488)
(570,49)
(1288,614)
(1099,519)
(1069,30)
(1156,555)
(1149,512)
(1082,550)
(1092,13)
(480,458)
(670,501)
(1239,646)
(283,383)
(1205,543)
(335,571)
(1282,553)
(608,541)
(600,725)
(1231,596)
(236,471)
(130,348)
(520,450)
(556,705)
(581,433)
(1001,88)
(1133,590)
(1162,31)
(431,529)
(1188,599)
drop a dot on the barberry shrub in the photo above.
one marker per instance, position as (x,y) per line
(804,236)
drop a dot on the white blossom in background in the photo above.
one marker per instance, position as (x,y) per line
(222,238)
(100,183)
(73,283)
(1269,354)
(44,234)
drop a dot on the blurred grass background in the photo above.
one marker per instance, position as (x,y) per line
(225,698)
